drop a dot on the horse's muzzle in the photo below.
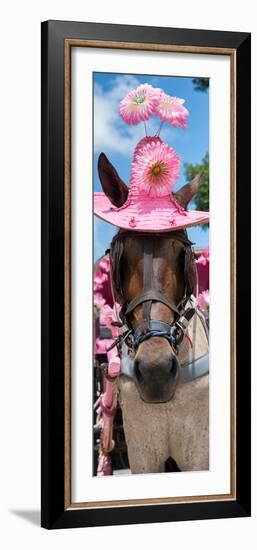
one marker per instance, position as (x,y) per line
(156,379)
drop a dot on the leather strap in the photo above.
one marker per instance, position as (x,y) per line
(147,265)
(155,296)
(155,328)
(187,372)
(147,280)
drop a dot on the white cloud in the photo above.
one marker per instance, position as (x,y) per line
(111,134)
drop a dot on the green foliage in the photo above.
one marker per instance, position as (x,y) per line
(201,200)
(201,84)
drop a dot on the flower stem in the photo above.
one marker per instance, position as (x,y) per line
(159,131)
(145,128)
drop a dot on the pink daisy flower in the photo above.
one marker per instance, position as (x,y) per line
(204,301)
(171,109)
(143,142)
(139,104)
(155,169)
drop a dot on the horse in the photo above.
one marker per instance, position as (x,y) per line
(163,394)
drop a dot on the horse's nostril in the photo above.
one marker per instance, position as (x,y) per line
(137,371)
(173,365)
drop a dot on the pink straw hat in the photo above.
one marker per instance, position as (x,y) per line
(149,204)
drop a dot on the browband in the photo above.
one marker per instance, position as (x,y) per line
(153,295)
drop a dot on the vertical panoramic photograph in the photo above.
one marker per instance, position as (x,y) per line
(151,274)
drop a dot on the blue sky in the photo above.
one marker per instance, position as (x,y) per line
(118,140)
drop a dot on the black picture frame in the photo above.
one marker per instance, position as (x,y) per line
(54,512)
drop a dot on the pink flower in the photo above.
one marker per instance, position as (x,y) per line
(139,104)
(99,300)
(107,316)
(155,169)
(203,259)
(171,110)
(104,264)
(98,287)
(144,141)
(100,278)
(204,301)
(132,222)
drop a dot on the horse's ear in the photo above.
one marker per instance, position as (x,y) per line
(184,195)
(113,186)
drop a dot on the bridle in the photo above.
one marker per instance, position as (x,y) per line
(148,328)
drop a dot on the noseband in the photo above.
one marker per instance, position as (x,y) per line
(149,328)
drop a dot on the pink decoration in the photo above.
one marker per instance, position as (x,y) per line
(132,222)
(97,287)
(99,301)
(204,301)
(139,104)
(107,403)
(104,465)
(105,265)
(107,316)
(114,367)
(101,344)
(100,278)
(155,169)
(145,141)
(171,110)
(150,205)
(187,337)
(203,259)
(151,213)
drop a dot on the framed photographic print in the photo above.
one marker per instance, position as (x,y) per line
(145,274)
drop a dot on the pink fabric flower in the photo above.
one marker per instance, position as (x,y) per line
(171,110)
(203,259)
(144,141)
(105,265)
(204,301)
(107,316)
(139,104)
(155,169)
(97,288)
(99,300)
(100,278)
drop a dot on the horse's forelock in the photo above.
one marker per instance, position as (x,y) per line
(117,250)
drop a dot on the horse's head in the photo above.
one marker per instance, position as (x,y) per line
(157,264)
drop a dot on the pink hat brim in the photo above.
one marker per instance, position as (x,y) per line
(144,213)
